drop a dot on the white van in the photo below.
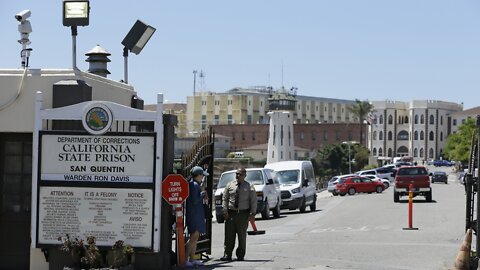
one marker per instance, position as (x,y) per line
(297,184)
(267,188)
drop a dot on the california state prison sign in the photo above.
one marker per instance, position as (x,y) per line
(90,158)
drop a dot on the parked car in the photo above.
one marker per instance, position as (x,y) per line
(441,162)
(384,181)
(382,172)
(266,186)
(354,184)
(439,176)
(332,183)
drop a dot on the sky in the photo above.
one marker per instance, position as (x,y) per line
(374,50)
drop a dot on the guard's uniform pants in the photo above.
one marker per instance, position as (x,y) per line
(237,224)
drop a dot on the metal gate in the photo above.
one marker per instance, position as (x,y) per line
(201,155)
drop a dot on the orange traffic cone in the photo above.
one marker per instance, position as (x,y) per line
(462,262)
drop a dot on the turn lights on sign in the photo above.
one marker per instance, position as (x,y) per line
(175,189)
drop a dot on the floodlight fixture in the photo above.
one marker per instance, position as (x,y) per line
(135,40)
(75,13)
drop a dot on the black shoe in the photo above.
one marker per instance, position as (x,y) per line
(240,259)
(226,258)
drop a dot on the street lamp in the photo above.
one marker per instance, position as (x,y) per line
(348,143)
(75,13)
(135,40)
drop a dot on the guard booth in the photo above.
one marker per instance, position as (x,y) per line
(103,180)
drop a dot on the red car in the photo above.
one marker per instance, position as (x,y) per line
(354,184)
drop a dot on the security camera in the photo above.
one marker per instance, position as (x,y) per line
(23,15)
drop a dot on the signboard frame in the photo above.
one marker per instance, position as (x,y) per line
(95,186)
(124,117)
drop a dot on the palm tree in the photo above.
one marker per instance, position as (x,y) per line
(360,109)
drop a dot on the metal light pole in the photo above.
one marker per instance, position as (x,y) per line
(349,160)
(348,143)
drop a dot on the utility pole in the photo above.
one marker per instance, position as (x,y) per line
(194,81)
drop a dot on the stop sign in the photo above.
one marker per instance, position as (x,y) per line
(175,189)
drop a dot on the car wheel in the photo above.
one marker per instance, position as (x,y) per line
(334,193)
(446,182)
(342,194)
(303,206)
(220,219)
(351,191)
(387,185)
(266,210)
(379,189)
(396,197)
(276,210)
(313,206)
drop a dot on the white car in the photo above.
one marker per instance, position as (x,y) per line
(267,188)
(332,183)
(385,182)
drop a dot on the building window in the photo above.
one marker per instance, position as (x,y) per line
(281,135)
(16,173)
(430,153)
(390,152)
(415,152)
(374,136)
(415,135)
(406,119)
(421,152)
(381,119)
(390,136)
(313,136)
(380,152)
(380,136)
(402,135)
(249,119)
(337,135)
(274,133)
(374,152)
(260,119)
(430,136)
(253,136)
(325,135)
(422,136)
(350,136)
(416,118)
(249,103)
(204,121)
(216,119)
(302,136)
(422,119)
(229,119)
(432,120)
(441,136)
(390,119)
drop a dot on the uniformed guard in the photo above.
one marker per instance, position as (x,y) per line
(239,206)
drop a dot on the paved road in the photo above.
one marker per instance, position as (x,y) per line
(364,231)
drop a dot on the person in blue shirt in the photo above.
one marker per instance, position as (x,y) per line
(195,214)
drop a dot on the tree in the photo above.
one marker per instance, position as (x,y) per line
(360,110)
(333,159)
(458,144)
